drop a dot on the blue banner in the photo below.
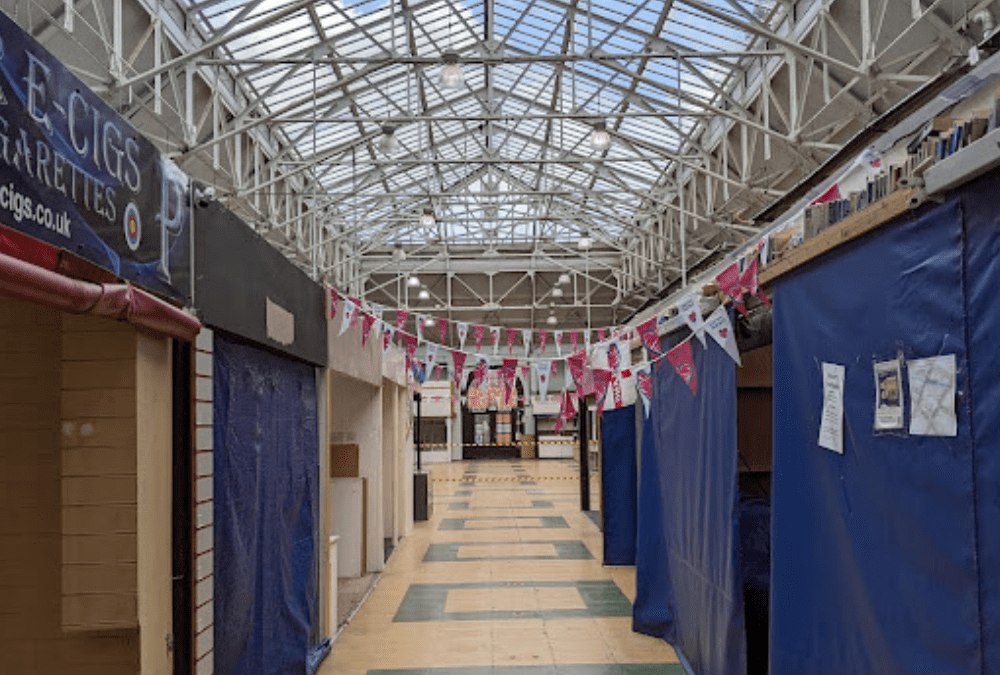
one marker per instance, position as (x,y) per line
(76,175)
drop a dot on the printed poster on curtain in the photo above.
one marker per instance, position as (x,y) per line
(76,175)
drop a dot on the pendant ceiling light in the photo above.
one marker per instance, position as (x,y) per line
(557,292)
(600,139)
(388,143)
(413,282)
(451,75)
(427,217)
(423,294)
(551,320)
(584,242)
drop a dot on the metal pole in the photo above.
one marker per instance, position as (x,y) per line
(416,429)
(584,457)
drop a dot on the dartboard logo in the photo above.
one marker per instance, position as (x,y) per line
(133,227)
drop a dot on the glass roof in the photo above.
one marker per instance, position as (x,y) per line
(507,155)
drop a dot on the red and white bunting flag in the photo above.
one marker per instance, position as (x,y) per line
(511,336)
(558,339)
(367,321)
(720,328)
(689,307)
(482,367)
(730,282)
(443,331)
(748,282)
(616,389)
(437,373)
(683,362)
(526,341)
(543,337)
(479,332)
(349,317)
(525,374)
(463,333)
(650,337)
(544,372)
(644,383)
(574,338)
(421,319)
(458,359)
(566,411)
(432,350)
(582,374)
(614,356)
(401,315)
(334,299)
(411,345)
(495,337)
(357,314)
(387,335)
(600,334)
(602,378)
(508,373)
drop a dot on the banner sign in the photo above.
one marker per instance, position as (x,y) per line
(76,175)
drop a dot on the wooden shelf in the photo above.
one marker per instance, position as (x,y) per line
(837,235)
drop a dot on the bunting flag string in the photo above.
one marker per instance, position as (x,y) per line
(644,383)
(458,359)
(511,335)
(543,337)
(544,372)
(683,362)
(463,333)
(730,282)
(650,338)
(479,332)
(387,336)
(334,299)
(350,316)
(367,322)
(443,330)
(689,307)
(721,329)
(495,338)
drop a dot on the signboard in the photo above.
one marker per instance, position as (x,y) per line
(76,175)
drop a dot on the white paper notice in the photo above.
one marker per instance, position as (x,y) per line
(831,430)
(932,396)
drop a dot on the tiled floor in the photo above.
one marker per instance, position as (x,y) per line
(505,579)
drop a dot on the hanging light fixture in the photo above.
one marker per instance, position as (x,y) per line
(557,292)
(427,217)
(563,278)
(413,281)
(551,320)
(423,294)
(451,75)
(429,321)
(600,139)
(584,242)
(388,143)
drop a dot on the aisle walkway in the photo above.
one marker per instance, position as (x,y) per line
(505,579)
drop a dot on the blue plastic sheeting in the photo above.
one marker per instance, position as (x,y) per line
(873,551)
(266,495)
(982,238)
(755,561)
(653,609)
(618,485)
(689,587)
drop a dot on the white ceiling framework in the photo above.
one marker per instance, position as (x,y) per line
(715,109)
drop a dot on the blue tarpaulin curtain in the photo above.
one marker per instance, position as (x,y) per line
(982,239)
(618,485)
(688,581)
(266,489)
(874,551)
